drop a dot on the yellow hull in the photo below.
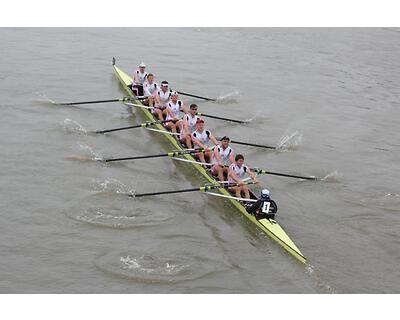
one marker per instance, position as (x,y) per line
(271,228)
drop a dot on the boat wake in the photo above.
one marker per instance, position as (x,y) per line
(105,210)
(157,267)
(322,285)
(290,141)
(72,126)
(231,97)
(389,201)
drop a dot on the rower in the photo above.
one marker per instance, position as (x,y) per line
(264,208)
(162,99)
(139,76)
(202,138)
(222,157)
(189,125)
(150,90)
(174,106)
(236,173)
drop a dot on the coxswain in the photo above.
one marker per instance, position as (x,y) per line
(222,157)
(264,208)
(162,98)
(150,90)
(139,77)
(236,173)
(174,107)
(201,138)
(189,126)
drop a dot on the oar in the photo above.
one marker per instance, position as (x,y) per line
(194,96)
(169,154)
(142,125)
(250,144)
(262,171)
(184,93)
(220,118)
(95,101)
(203,188)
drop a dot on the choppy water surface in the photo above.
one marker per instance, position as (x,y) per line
(328,98)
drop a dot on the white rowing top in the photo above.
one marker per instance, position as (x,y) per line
(141,76)
(240,172)
(191,121)
(223,153)
(175,108)
(203,137)
(164,97)
(150,89)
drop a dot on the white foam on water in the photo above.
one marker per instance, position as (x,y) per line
(290,141)
(72,126)
(230,97)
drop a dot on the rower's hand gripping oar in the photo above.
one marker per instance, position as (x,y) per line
(124,99)
(203,189)
(169,154)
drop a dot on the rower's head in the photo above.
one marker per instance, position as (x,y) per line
(174,96)
(265,194)
(200,125)
(142,67)
(239,159)
(193,109)
(225,142)
(150,78)
(164,86)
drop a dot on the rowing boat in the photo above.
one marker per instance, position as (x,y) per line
(268,226)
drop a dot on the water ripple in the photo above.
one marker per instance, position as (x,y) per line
(158,267)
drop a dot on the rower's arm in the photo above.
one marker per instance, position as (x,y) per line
(197,142)
(135,77)
(169,111)
(212,138)
(184,109)
(217,155)
(158,99)
(231,158)
(185,124)
(234,176)
(251,174)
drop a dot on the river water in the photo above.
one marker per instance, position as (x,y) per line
(329,97)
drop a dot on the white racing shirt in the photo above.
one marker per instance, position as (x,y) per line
(203,137)
(164,97)
(141,77)
(223,153)
(240,172)
(150,89)
(175,107)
